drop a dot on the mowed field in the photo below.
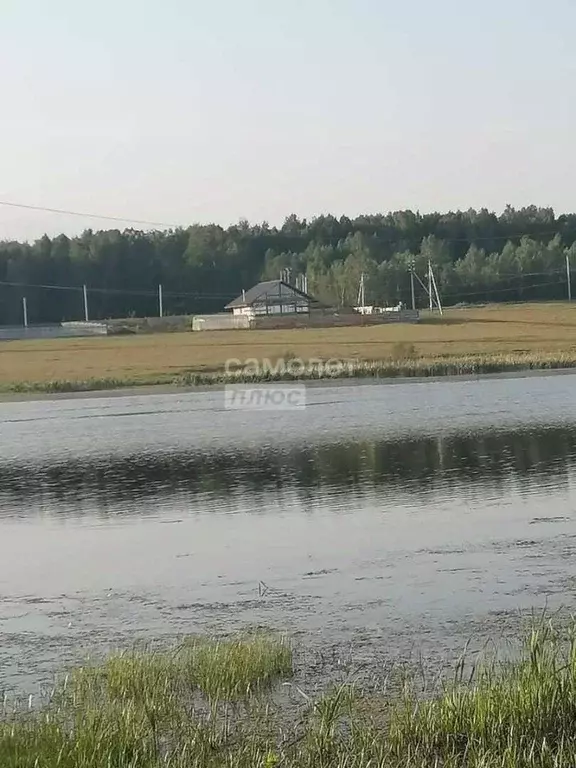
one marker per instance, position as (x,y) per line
(494,329)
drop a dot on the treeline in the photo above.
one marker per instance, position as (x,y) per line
(477,256)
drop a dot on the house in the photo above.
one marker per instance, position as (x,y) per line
(369,310)
(275,304)
(273,297)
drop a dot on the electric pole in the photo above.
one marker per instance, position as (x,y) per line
(436,291)
(85,292)
(361,298)
(568,277)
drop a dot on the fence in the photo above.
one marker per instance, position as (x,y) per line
(322,319)
(223,322)
(64,331)
(334,320)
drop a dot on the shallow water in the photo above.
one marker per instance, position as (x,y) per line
(379,517)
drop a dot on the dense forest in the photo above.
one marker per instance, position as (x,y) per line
(477,256)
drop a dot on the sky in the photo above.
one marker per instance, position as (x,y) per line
(182,111)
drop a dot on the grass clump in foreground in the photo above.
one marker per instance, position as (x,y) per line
(221,704)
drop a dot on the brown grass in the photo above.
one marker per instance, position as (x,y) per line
(494,329)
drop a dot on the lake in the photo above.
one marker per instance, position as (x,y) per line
(379,519)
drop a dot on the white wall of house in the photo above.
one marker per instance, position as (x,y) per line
(271,309)
(247,311)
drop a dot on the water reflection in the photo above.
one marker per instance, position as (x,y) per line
(484,463)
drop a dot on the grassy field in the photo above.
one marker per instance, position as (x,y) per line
(503,332)
(208,704)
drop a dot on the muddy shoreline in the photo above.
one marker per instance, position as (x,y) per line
(371,657)
(382,527)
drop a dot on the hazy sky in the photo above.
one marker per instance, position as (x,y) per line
(184,111)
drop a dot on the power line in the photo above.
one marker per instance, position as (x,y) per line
(125,220)
(530,274)
(143,292)
(518,275)
(31,285)
(477,238)
(118,291)
(145,222)
(488,291)
(200,295)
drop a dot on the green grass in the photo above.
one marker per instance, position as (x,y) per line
(522,713)
(174,708)
(225,704)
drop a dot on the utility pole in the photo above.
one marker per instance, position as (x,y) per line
(568,277)
(85,292)
(436,291)
(432,289)
(361,300)
(25,311)
(412,285)
(160,300)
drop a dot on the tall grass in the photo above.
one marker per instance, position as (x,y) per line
(55,386)
(521,713)
(221,704)
(403,363)
(150,709)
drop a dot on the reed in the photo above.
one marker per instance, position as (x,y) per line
(393,368)
(208,703)
(399,367)
(515,714)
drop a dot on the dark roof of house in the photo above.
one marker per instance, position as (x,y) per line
(269,289)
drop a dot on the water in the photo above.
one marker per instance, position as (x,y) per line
(378,518)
